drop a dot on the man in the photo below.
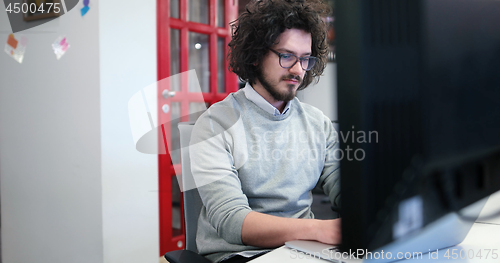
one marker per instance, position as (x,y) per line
(257,155)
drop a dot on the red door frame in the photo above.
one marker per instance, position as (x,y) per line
(168,240)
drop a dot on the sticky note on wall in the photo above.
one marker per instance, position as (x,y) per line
(11,41)
(85,8)
(16,48)
(60,46)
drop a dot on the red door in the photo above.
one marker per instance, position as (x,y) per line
(192,34)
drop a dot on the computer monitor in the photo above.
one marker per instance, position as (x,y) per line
(419,117)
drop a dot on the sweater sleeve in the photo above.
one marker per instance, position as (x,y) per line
(215,174)
(330,176)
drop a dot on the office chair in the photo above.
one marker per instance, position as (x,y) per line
(192,204)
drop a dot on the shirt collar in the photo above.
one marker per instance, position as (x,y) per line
(256,98)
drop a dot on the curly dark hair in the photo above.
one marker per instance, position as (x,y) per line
(257,29)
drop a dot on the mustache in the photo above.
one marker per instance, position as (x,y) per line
(298,78)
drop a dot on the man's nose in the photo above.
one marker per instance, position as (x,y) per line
(296,69)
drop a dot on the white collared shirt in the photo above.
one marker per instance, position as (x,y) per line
(256,98)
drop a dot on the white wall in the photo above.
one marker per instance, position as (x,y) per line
(323,95)
(73,187)
(130,179)
(50,149)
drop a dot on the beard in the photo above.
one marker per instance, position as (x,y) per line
(274,92)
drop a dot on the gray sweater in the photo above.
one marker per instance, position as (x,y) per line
(244,159)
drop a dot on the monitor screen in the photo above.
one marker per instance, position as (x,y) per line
(419,117)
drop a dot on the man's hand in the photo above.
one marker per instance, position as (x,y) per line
(328,231)
(262,230)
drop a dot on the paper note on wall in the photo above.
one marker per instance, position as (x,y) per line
(16,48)
(85,8)
(60,46)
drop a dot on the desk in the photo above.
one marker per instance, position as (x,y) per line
(484,236)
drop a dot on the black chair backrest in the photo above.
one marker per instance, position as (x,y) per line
(192,200)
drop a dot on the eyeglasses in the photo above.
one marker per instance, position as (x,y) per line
(288,60)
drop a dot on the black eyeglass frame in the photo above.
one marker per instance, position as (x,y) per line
(310,59)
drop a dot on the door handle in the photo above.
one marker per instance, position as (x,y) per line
(167,93)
